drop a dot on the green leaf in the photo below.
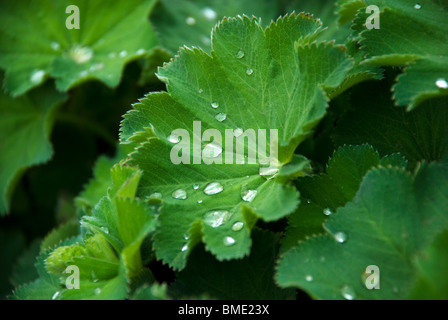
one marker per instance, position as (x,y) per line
(280,78)
(59,234)
(420,134)
(109,36)
(187,22)
(414,35)
(327,192)
(24,270)
(25,128)
(249,278)
(393,217)
(431,265)
(153,292)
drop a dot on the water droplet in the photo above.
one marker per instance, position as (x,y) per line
(442,83)
(327,212)
(215,105)
(140,51)
(239,54)
(348,293)
(212,150)
(184,248)
(93,276)
(56,295)
(201,91)
(199,201)
(97,291)
(81,54)
(179,194)
(268,171)
(417,6)
(123,53)
(112,55)
(186,236)
(156,195)
(249,195)
(221,117)
(322,259)
(249,71)
(340,237)
(309,278)
(213,188)
(83,74)
(190,21)
(96,67)
(217,218)
(206,40)
(195,186)
(37,76)
(229,241)
(209,13)
(173,138)
(237,132)
(237,226)
(105,230)
(308,201)
(55,46)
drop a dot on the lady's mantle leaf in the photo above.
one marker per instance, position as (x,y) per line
(35,43)
(25,127)
(393,217)
(412,34)
(254,79)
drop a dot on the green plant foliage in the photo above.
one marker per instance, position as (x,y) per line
(218,85)
(235,150)
(25,128)
(406,38)
(394,216)
(99,49)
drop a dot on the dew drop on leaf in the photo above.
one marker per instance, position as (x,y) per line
(268,171)
(37,76)
(156,195)
(348,293)
(209,13)
(83,73)
(417,6)
(97,291)
(249,71)
(340,237)
(195,186)
(190,21)
(442,83)
(217,218)
(140,51)
(179,194)
(56,295)
(93,276)
(186,236)
(215,105)
(229,241)
(201,90)
(55,46)
(81,54)
(105,230)
(327,212)
(309,278)
(96,67)
(237,226)
(200,201)
(112,55)
(123,53)
(184,248)
(221,117)
(212,150)
(173,138)
(240,54)
(237,132)
(213,188)
(248,195)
